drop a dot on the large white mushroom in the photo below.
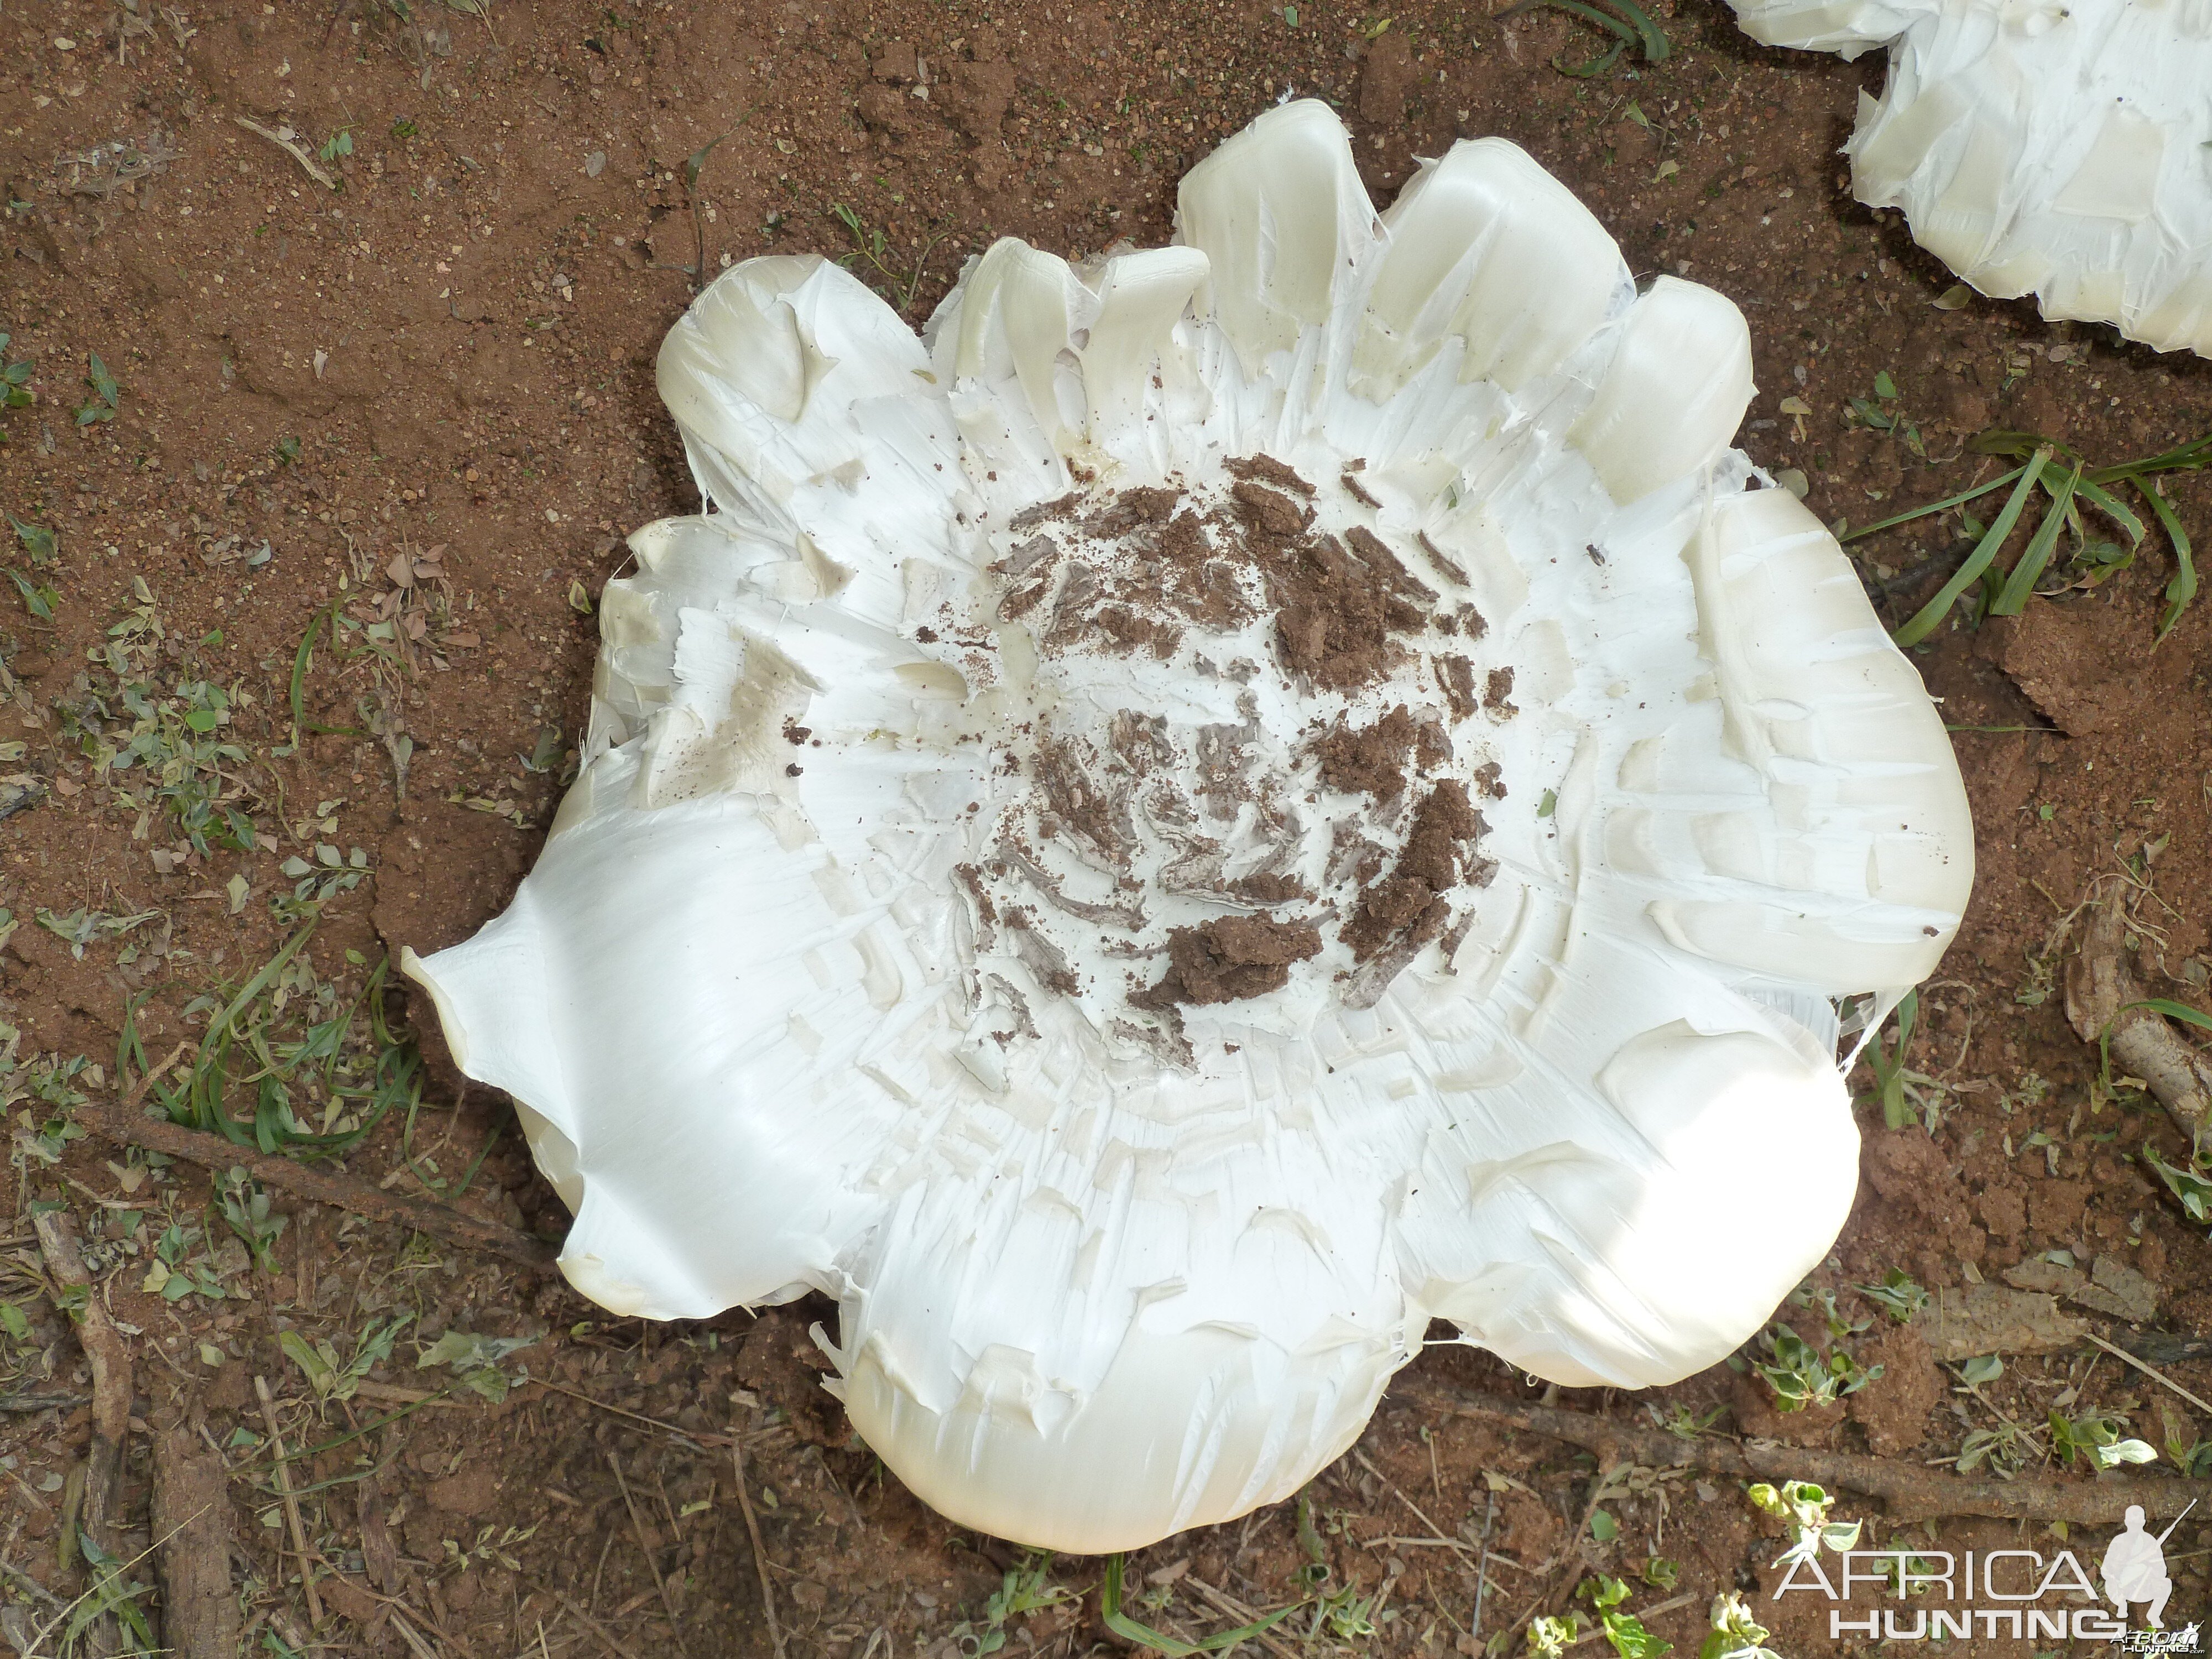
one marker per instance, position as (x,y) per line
(2061,148)
(1227,803)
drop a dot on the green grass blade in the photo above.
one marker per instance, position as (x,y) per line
(1110,1607)
(2173,1010)
(2197,452)
(2183,588)
(1591,69)
(303,659)
(259,983)
(2012,600)
(2000,440)
(2113,508)
(1943,506)
(1604,19)
(1985,552)
(1654,37)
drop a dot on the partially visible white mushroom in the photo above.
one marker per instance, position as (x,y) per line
(2062,147)
(1237,799)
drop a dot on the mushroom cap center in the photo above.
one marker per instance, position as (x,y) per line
(1241,756)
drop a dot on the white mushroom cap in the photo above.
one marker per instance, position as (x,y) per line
(2061,149)
(831,974)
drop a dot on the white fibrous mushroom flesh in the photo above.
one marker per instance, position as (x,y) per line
(1226,803)
(2058,147)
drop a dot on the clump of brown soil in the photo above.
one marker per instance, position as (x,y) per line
(1168,573)
(1369,760)
(1131,574)
(1266,469)
(1338,603)
(1231,959)
(1408,907)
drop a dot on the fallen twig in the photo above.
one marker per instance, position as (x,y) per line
(192,1523)
(30,1586)
(1435,1534)
(109,1358)
(291,1501)
(685,1435)
(2104,1003)
(1911,1491)
(2154,1375)
(753,1532)
(2166,1347)
(1224,1603)
(607,1638)
(644,1548)
(441,1221)
(27,1403)
(292,149)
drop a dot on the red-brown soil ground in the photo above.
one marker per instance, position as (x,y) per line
(422,404)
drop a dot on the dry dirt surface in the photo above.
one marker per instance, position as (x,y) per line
(340,321)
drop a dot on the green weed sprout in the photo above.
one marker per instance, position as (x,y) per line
(1736,1634)
(1624,1629)
(1805,1506)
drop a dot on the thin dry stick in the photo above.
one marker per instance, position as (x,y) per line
(406,1617)
(291,150)
(30,1586)
(684,1434)
(291,1502)
(1911,1492)
(415,1645)
(1224,1603)
(752,1531)
(607,1638)
(1436,1533)
(2155,1376)
(644,1548)
(124,1124)
(829,1476)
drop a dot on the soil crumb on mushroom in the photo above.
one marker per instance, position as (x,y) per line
(1162,860)
(1231,959)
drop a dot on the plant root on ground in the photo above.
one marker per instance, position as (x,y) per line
(441,1221)
(192,1545)
(1911,1490)
(2106,1005)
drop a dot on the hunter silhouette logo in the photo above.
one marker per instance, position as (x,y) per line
(2135,1567)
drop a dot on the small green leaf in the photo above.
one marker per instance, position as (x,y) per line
(39,599)
(2124,1451)
(1956,297)
(319,1371)
(2191,1189)
(1603,1527)
(38,541)
(1884,387)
